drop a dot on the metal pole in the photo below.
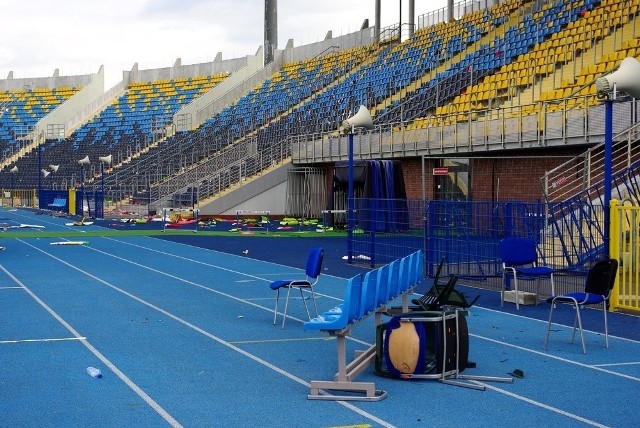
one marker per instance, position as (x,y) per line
(82,190)
(39,172)
(350,202)
(102,188)
(13,186)
(102,178)
(608,171)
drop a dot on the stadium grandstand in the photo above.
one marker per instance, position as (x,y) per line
(486,123)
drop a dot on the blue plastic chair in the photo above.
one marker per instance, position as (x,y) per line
(520,259)
(393,289)
(312,270)
(600,281)
(382,283)
(368,294)
(349,312)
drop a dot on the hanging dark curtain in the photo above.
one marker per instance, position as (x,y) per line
(380,194)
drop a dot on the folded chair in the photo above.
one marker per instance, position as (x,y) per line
(520,261)
(435,298)
(312,270)
(442,295)
(600,281)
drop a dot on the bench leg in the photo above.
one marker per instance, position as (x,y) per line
(359,391)
(362,391)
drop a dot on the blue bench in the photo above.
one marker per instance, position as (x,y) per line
(365,295)
(58,204)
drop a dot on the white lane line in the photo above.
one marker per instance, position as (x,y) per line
(555,357)
(631,363)
(41,220)
(542,405)
(254,276)
(194,327)
(155,406)
(60,339)
(577,417)
(302,339)
(541,321)
(248,301)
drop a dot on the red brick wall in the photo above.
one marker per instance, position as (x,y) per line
(507,178)
(412,172)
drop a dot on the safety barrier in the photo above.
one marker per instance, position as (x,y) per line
(625,247)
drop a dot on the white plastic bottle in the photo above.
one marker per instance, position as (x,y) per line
(94,372)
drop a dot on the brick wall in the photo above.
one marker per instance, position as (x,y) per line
(507,178)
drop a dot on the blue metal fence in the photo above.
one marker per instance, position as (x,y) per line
(467,234)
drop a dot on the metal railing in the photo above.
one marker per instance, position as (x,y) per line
(458,134)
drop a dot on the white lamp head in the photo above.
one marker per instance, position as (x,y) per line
(84,161)
(362,119)
(54,168)
(45,173)
(625,79)
(106,159)
(14,169)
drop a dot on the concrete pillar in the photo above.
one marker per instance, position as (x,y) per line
(412,18)
(378,20)
(270,29)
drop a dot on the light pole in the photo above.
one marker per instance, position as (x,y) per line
(39,169)
(104,160)
(82,162)
(54,169)
(45,174)
(14,172)
(362,119)
(625,79)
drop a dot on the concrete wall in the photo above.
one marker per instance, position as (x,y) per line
(268,193)
(57,123)
(273,200)
(93,107)
(179,70)
(226,92)
(347,41)
(54,81)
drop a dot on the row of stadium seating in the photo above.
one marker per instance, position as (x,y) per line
(389,68)
(286,88)
(551,49)
(446,71)
(116,127)
(23,108)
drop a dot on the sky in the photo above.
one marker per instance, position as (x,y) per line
(78,36)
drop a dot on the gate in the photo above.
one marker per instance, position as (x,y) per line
(625,247)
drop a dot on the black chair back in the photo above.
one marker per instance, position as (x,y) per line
(601,277)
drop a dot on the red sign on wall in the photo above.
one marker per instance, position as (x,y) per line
(441,171)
